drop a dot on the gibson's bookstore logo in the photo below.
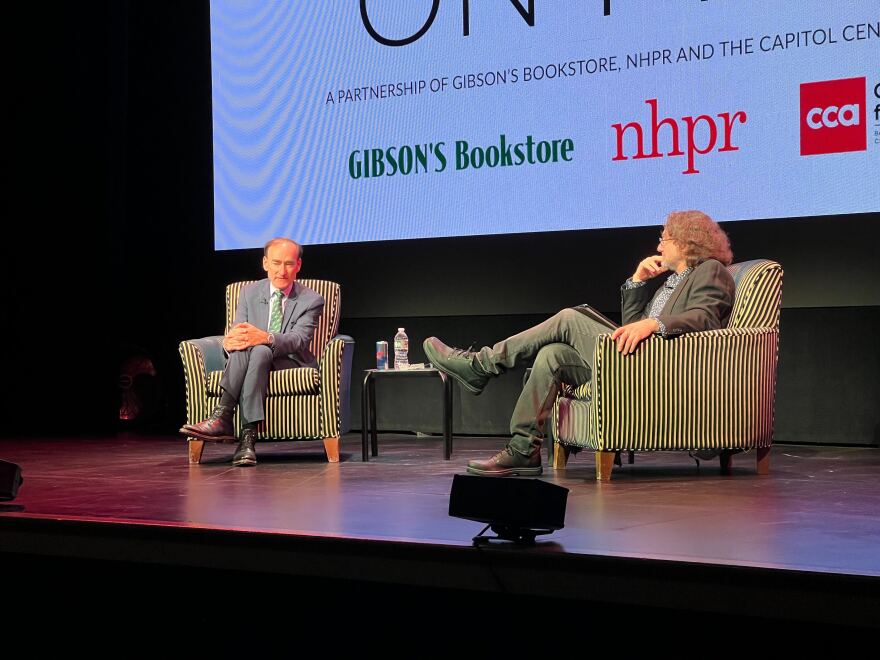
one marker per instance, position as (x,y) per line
(527,14)
(833,116)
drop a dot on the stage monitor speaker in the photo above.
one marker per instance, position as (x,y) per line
(10,480)
(515,509)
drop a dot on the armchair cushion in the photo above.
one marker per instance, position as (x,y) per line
(303,380)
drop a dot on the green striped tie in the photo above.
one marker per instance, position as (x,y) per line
(275,318)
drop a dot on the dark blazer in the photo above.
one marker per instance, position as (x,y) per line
(302,311)
(702,302)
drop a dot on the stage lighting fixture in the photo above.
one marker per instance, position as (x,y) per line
(515,509)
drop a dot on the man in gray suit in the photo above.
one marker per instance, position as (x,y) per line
(274,325)
(696,294)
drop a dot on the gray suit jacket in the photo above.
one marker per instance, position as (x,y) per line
(702,302)
(302,311)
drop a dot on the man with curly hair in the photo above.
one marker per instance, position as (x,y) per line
(684,288)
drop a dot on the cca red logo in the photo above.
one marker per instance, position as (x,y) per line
(832,113)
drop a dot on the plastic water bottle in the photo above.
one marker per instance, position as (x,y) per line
(401,349)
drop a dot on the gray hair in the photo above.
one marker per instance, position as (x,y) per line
(282,240)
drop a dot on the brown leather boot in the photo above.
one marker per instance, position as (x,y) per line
(246,455)
(508,463)
(217,428)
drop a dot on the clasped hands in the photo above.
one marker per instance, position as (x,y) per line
(629,336)
(244,335)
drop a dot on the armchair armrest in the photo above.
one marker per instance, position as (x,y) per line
(200,356)
(335,370)
(712,389)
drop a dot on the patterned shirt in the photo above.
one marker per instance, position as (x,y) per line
(662,296)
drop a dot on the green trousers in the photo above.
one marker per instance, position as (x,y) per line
(562,347)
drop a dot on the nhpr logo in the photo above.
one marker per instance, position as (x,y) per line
(833,116)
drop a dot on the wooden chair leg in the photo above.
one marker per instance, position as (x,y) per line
(561,453)
(331,448)
(604,465)
(763,460)
(726,459)
(195,451)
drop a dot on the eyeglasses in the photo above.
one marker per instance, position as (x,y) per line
(663,240)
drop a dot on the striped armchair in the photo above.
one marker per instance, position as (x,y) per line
(712,390)
(303,403)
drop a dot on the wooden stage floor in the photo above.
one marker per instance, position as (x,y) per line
(802,543)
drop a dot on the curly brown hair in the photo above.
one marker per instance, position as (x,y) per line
(699,237)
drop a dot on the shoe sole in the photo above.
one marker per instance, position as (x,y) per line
(208,438)
(510,472)
(432,357)
(245,463)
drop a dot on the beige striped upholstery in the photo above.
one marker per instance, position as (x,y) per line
(284,381)
(198,403)
(302,403)
(758,294)
(704,390)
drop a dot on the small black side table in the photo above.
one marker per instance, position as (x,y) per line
(368,406)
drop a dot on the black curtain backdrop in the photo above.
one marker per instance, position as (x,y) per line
(113,217)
